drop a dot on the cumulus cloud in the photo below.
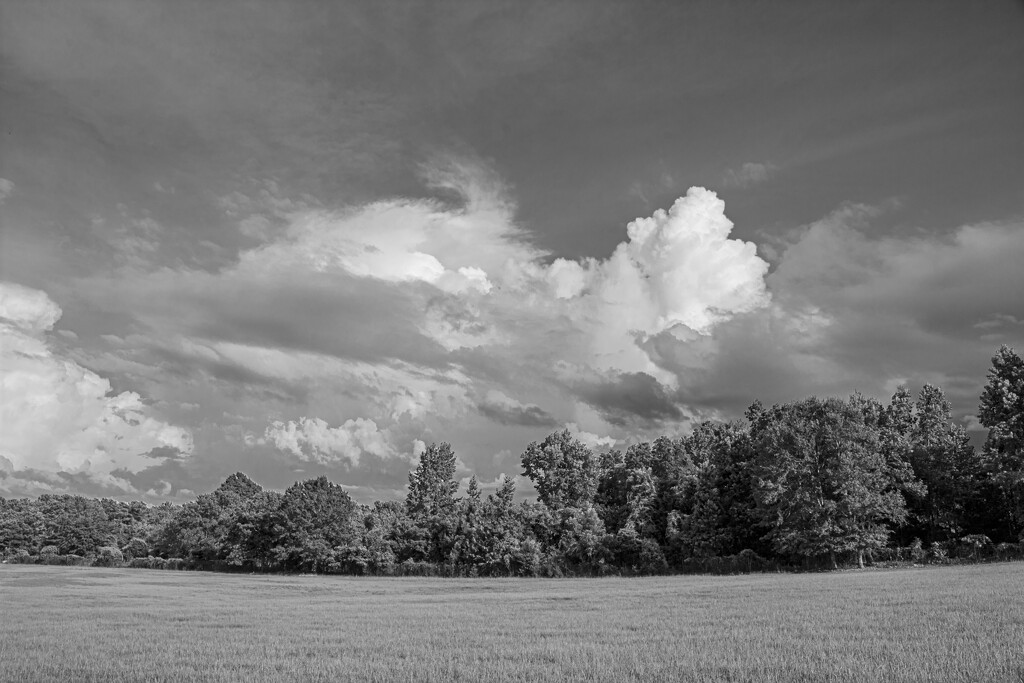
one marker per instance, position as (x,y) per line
(415,313)
(314,440)
(857,311)
(677,273)
(749,174)
(61,417)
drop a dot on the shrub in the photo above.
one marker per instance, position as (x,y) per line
(917,552)
(970,546)
(22,557)
(135,548)
(174,563)
(109,556)
(416,568)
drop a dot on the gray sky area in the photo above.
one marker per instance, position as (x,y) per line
(308,238)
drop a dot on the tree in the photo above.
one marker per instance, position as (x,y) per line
(563,470)
(944,460)
(1002,411)
(428,532)
(252,535)
(824,486)
(432,484)
(314,519)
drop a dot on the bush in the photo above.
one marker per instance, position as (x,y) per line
(109,556)
(174,563)
(972,546)
(938,553)
(416,568)
(22,557)
(135,548)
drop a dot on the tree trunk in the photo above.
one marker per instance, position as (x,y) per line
(832,560)
(860,559)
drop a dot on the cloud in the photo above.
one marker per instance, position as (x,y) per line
(749,174)
(629,398)
(6,189)
(589,439)
(507,411)
(405,312)
(27,310)
(678,272)
(313,440)
(60,417)
(856,311)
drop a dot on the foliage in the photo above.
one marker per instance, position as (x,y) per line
(1002,412)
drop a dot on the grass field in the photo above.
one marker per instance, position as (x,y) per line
(87,624)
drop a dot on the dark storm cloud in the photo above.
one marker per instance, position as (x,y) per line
(629,398)
(512,413)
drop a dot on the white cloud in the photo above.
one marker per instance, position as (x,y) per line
(61,417)
(6,189)
(408,312)
(678,272)
(314,440)
(589,439)
(749,174)
(26,309)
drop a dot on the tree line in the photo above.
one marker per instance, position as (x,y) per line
(815,483)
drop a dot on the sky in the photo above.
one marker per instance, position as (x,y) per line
(307,238)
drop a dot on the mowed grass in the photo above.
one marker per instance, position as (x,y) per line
(936,624)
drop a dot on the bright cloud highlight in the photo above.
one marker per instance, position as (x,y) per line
(58,416)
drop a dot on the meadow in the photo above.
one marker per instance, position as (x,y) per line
(958,623)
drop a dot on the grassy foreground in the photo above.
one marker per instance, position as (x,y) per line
(937,624)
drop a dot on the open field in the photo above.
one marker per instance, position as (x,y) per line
(961,623)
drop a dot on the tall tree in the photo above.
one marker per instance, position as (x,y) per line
(1002,411)
(432,484)
(313,521)
(824,486)
(563,470)
(428,531)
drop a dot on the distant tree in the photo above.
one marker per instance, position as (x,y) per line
(824,486)
(252,535)
(432,484)
(372,551)
(470,549)
(314,519)
(563,470)
(715,512)
(235,489)
(1002,411)
(944,460)
(21,526)
(427,534)
(75,524)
